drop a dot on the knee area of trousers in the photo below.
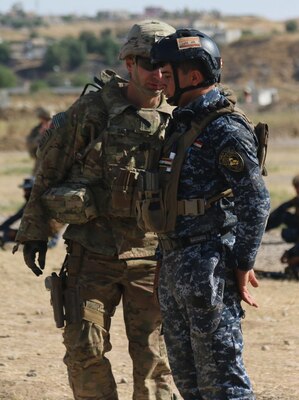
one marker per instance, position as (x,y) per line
(85,341)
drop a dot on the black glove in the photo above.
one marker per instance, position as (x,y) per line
(31,248)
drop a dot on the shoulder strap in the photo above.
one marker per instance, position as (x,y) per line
(184,142)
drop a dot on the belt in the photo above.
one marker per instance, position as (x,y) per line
(169,244)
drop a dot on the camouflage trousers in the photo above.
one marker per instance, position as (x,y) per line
(103,282)
(201,314)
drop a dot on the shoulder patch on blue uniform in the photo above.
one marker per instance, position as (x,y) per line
(231,160)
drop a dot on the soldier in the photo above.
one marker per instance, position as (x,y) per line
(208,241)
(282,216)
(98,147)
(36,134)
(9,233)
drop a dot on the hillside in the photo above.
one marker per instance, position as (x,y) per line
(270,60)
(266,57)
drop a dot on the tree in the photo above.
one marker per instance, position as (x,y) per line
(67,54)
(76,52)
(4,53)
(7,77)
(291,26)
(109,48)
(90,41)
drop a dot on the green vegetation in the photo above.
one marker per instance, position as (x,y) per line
(38,85)
(7,77)
(291,26)
(4,52)
(109,48)
(67,54)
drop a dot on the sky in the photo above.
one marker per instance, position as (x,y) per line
(271,9)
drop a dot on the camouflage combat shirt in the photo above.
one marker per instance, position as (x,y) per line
(74,147)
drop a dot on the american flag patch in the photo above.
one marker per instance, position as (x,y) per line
(58,120)
(198,143)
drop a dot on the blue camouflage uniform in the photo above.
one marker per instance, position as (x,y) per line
(198,295)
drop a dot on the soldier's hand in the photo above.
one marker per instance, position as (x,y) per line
(33,249)
(243,278)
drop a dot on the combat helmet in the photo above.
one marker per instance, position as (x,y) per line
(295,181)
(142,36)
(27,183)
(189,45)
(43,113)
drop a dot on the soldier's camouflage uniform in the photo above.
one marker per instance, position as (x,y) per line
(199,299)
(109,257)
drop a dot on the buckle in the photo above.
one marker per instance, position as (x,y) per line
(191,207)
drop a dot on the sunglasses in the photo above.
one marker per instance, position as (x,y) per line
(146,64)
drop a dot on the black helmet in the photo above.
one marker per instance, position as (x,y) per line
(189,45)
(186,45)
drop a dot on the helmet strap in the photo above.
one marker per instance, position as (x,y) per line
(178,91)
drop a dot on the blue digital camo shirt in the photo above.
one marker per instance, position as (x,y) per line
(223,156)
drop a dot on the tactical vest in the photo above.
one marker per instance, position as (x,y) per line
(125,140)
(157,203)
(107,168)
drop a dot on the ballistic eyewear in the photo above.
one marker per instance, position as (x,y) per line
(145,63)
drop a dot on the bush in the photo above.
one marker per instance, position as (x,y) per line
(38,85)
(291,26)
(7,77)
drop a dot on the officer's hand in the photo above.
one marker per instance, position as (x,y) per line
(30,250)
(243,278)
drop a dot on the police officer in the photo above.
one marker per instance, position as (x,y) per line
(210,210)
(34,137)
(99,142)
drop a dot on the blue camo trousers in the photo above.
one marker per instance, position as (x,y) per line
(201,320)
(106,282)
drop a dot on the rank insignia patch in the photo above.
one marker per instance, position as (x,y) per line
(232,160)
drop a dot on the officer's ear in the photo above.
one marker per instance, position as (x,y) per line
(196,77)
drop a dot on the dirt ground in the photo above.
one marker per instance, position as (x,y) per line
(31,348)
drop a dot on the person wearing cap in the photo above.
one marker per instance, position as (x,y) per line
(34,137)
(9,234)
(287,214)
(100,142)
(209,205)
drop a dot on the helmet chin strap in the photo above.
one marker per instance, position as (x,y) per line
(178,91)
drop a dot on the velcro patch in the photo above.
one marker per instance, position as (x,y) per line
(188,42)
(232,160)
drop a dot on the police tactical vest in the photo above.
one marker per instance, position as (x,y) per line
(157,203)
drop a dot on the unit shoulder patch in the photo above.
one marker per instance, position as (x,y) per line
(231,160)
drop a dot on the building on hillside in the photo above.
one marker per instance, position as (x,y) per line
(218,31)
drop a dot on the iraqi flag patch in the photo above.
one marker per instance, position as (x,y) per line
(198,144)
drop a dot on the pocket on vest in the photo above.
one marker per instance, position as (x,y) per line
(151,212)
(124,194)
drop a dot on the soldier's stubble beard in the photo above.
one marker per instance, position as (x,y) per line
(143,91)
